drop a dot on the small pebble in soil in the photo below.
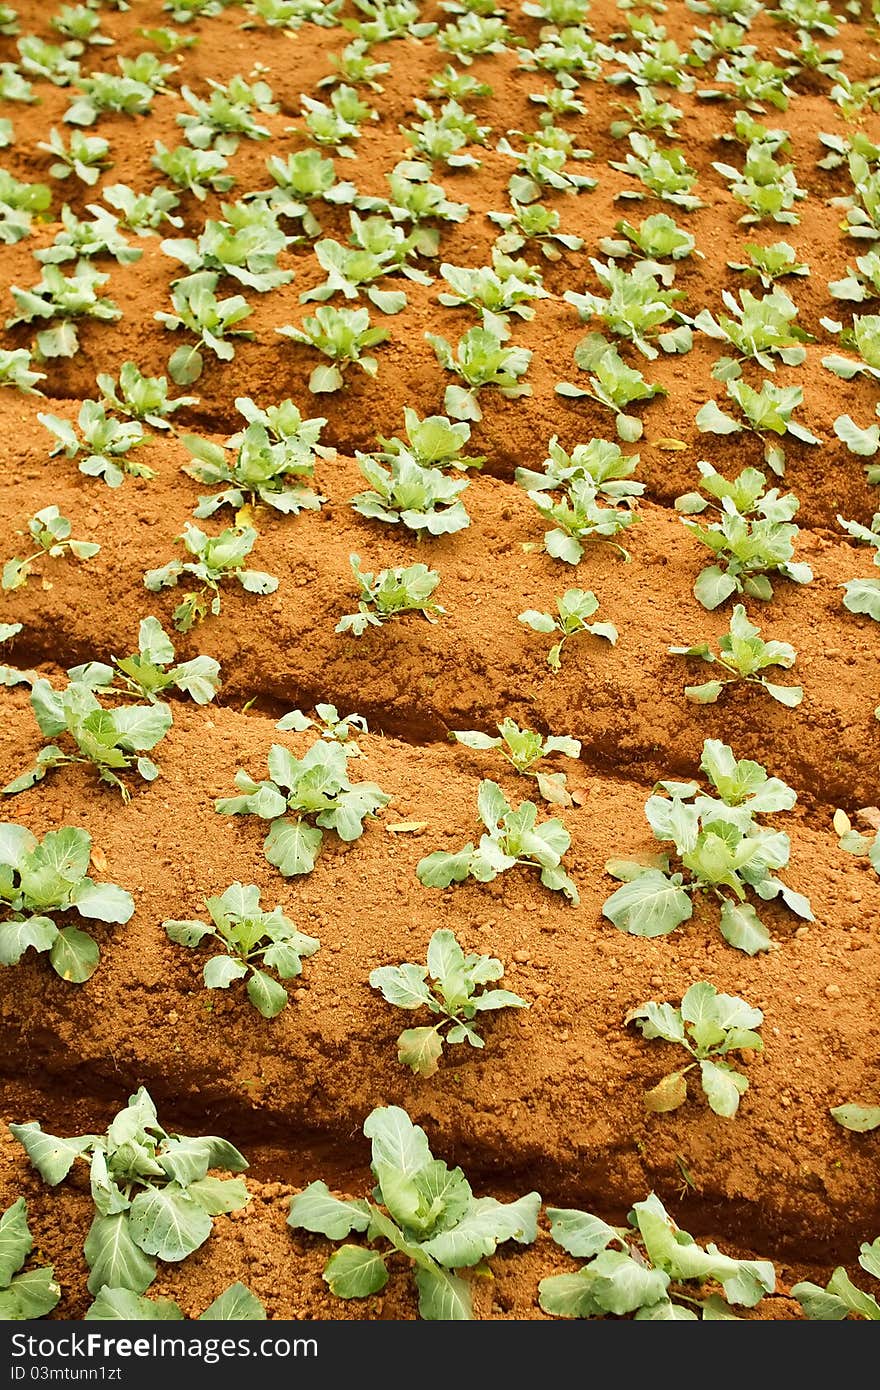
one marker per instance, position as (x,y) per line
(832,991)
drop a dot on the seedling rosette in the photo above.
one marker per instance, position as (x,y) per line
(251,939)
(315,787)
(41,880)
(25,1293)
(422,1209)
(743,655)
(650,1269)
(721,845)
(709,1026)
(152,1193)
(572,611)
(50,532)
(511,838)
(458,996)
(390,593)
(215,558)
(114,741)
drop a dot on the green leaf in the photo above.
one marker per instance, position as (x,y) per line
(569,1295)
(219,1195)
(267,995)
(858,1118)
(15,1240)
(74,955)
(113,1257)
(353,1272)
(235,1304)
(122,1305)
(292,846)
(220,971)
(32,1294)
(580,1233)
(17,936)
(443,1297)
(650,905)
(103,902)
(52,1157)
(316,1209)
(167,1222)
(742,927)
(420,1049)
(723,1087)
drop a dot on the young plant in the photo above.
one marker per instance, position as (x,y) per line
(10,675)
(860,284)
(235,1304)
(600,462)
(635,307)
(213,321)
(141,398)
(480,359)
(423,499)
(542,166)
(511,837)
(85,155)
(197,171)
(416,201)
(840,1297)
(104,443)
(743,656)
(863,595)
(113,741)
(650,1268)
(249,938)
(19,203)
(770,263)
(151,1190)
(389,594)
(612,384)
(24,1293)
(50,532)
(753,539)
(66,298)
(105,91)
(768,410)
(434,442)
(536,223)
(720,844)
(15,371)
(314,787)
(657,240)
(523,748)
(81,238)
(329,725)
(244,245)
(494,297)
(572,612)
(757,329)
(267,462)
(152,670)
(41,880)
(300,179)
(421,1208)
(709,1026)
(864,339)
(343,335)
(579,519)
(766,188)
(662,173)
(214,560)
(335,124)
(457,995)
(143,213)
(79,23)
(219,121)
